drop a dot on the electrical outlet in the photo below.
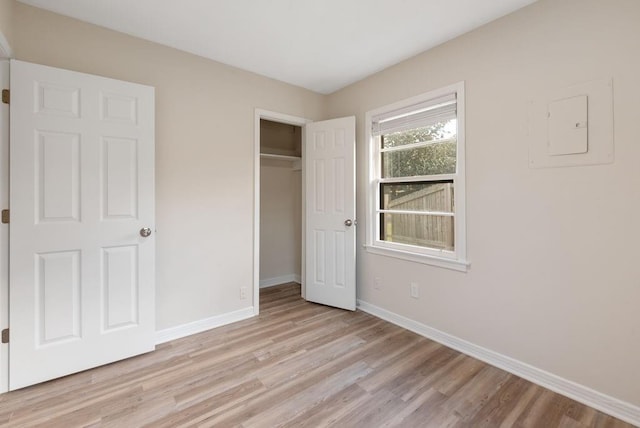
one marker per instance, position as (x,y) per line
(415,290)
(243,293)
(377,285)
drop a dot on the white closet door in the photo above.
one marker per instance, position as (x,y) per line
(330,212)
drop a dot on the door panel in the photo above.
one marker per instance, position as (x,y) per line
(81,188)
(120,178)
(57,164)
(120,286)
(330,194)
(58,297)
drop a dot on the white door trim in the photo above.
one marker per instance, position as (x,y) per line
(5,54)
(290,120)
(4,228)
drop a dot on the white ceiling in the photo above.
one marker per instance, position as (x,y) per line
(321,45)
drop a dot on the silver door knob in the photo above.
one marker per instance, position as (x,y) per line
(145,231)
(348,222)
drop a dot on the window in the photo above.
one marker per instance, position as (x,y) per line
(416,195)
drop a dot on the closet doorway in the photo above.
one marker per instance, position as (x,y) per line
(279,238)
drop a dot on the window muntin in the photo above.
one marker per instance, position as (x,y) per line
(418,176)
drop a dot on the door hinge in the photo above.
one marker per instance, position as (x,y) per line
(5,335)
(5,216)
(6,96)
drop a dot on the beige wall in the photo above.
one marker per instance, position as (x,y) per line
(204,153)
(6,21)
(554,280)
(280,219)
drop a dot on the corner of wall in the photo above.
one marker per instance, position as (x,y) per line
(6,28)
(326,106)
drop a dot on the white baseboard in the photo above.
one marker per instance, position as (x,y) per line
(605,403)
(270,282)
(188,329)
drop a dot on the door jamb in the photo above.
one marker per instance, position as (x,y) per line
(5,54)
(289,120)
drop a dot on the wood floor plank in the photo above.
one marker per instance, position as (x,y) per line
(500,405)
(310,397)
(475,393)
(332,410)
(297,364)
(380,405)
(427,399)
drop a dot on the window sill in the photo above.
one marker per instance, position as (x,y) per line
(457,265)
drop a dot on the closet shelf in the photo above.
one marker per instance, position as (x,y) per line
(280,157)
(296,161)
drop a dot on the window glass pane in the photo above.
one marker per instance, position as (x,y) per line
(420,196)
(420,230)
(438,158)
(439,131)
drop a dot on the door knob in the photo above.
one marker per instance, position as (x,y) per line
(348,222)
(145,232)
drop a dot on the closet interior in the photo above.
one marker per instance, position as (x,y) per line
(280,203)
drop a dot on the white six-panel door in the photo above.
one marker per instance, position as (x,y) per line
(81,190)
(330,212)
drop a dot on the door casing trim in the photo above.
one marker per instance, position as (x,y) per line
(6,53)
(4,228)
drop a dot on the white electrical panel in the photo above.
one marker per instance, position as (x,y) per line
(567,126)
(572,126)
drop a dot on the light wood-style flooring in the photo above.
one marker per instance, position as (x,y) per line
(297,365)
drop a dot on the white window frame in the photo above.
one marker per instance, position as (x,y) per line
(457,259)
